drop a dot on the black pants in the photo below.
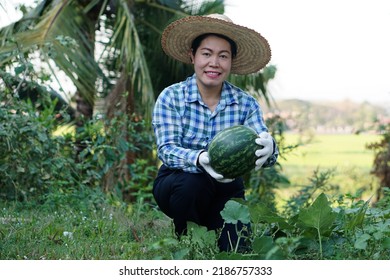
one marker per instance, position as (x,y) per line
(198,198)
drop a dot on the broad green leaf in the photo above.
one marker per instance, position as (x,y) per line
(386,243)
(361,241)
(200,235)
(319,215)
(262,245)
(234,212)
(261,213)
(267,249)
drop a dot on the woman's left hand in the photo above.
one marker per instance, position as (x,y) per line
(266,150)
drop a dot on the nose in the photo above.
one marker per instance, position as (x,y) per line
(214,61)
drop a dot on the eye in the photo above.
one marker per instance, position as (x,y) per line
(224,56)
(206,54)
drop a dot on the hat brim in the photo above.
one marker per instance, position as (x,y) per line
(253,50)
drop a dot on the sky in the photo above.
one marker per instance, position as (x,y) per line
(11,13)
(323,49)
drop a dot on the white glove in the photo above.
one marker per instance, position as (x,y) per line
(204,161)
(264,153)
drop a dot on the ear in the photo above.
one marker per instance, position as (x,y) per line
(192,58)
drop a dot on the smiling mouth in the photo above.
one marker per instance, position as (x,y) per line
(212,73)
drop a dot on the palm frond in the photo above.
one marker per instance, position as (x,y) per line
(196,7)
(256,83)
(60,35)
(131,56)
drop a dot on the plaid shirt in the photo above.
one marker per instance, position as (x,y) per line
(184,125)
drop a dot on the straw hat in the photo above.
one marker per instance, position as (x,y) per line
(253,50)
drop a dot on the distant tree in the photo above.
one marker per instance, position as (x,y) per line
(381,165)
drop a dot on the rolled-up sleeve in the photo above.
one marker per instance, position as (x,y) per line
(168,131)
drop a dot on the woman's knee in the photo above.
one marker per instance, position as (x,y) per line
(181,189)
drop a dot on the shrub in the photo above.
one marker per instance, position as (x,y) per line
(118,156)
(381,165)
(31,161)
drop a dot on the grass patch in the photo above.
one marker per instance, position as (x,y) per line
(88,224)
(346,155)
(69,232)
(97,227)
(332,151)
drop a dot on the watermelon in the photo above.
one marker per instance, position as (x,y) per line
(232,151)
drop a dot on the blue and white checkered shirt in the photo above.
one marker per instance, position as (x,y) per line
(184,125)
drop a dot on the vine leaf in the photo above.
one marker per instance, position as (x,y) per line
(261,213)
(361,241)
(200,236)
(319,215)
(234,212)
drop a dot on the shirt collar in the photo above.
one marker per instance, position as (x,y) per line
(228,96)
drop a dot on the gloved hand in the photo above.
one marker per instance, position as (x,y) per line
(204,161)
(264,140)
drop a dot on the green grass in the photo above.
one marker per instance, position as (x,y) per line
(332,150)
(346,155)
(111,230)
(73,231)
(87,224)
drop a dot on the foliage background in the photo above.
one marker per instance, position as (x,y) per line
(77,171)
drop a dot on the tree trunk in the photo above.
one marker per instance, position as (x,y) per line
(84,107)
(84,112)
(120,103)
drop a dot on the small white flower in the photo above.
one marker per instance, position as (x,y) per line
(68,234)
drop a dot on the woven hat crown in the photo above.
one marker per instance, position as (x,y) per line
(253,50)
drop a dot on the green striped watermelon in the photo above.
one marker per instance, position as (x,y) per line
(232,151)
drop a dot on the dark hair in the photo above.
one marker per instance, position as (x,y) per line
(196,43)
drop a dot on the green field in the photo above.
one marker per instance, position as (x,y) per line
(347,155)
(332,150)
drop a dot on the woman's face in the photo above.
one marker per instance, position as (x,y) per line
(212,61)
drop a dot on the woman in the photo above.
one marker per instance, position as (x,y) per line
(187,116)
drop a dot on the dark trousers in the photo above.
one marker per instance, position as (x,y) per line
(198,198)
